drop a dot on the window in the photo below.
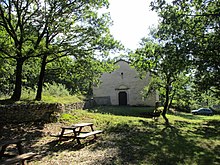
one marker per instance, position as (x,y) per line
(122,74)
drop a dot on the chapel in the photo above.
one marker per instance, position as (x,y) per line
(123,87)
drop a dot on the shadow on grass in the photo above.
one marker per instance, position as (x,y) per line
(139,142)
(210,129)
(123,110)
(55,146)
(35,139)
(188,116)
(29,133)
(153,144)
(7,102)
(24,131)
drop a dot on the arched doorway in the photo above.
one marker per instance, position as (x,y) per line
(122,98)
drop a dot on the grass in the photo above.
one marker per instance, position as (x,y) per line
(63,99)
(122,111)
(45,98)
(130,139)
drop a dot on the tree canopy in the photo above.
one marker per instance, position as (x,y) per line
(186,41)
(165,64)
(51,29)
(195,29)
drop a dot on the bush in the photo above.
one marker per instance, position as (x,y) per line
(215,109)
(28,93)
(52,93)
(55,89)
(181,108)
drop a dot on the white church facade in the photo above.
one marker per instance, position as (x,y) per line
(123,87)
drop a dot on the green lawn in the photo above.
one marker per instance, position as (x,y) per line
(137,140)
(128,139)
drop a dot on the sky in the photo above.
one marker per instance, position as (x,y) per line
(132,19)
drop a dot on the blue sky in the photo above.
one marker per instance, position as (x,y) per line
(132,19)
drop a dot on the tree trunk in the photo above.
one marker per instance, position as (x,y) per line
(166,105)
(171,100)
(16,96)
(90,91)
(41,79)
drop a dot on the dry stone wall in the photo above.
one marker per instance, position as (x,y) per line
(20,113)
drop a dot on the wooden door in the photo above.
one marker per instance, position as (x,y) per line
(122,98)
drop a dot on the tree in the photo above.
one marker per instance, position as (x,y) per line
(86,37)
(195,27)
(50,27)
(78,76)
(165,64)
(19,40)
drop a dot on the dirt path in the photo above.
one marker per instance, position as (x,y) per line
(36,138)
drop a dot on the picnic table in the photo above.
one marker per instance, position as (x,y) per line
(76,131)
(13,158)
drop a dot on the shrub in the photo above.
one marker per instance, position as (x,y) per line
(28,93)
(55,89)
(51,93)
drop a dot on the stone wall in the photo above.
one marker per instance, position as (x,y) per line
(104,100)
(20,113)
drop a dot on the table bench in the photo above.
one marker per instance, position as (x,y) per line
(14,158)
(84,135)
(19,159)
(76,131)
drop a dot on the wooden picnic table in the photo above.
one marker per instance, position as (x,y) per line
(76,131)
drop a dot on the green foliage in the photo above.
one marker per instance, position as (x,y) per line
(182,46)
(49,30)
(55,90)
(165,64)
(28,93)
(50,91)
(30,74)
(77,75)
(6,76)
(69,118)
(53,93)
(193,26)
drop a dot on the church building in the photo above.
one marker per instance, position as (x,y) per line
(123,87)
